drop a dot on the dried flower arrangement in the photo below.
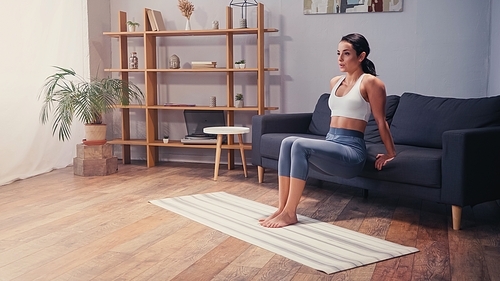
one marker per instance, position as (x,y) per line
(186,8)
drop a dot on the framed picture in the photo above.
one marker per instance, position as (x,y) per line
(314,7)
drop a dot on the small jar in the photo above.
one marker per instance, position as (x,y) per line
(133,61)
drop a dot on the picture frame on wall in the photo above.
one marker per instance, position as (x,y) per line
(315,7)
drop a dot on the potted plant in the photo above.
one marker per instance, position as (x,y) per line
(132,25)
(238,100)
(165,139)
(240,64)
(68,95)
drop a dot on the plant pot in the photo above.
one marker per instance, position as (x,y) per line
(165,140)
(238,103)
(242,65)
(132,28)
(95,134)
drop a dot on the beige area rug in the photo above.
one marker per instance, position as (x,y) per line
(316,244)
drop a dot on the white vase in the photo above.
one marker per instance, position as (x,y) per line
(131,28)
(188,24)
(238,103)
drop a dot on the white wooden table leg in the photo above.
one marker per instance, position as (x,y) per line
(217,156)
(242,152)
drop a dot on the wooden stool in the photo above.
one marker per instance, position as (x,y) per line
(227,130)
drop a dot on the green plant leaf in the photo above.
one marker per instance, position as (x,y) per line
(67,95)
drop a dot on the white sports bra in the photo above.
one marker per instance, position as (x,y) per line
(352,104)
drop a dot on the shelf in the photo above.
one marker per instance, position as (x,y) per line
(128,142)
(131,106)
(200,32)
(178,143)
(197,107)
(232,108)
(124,34)
(191,70)
(151,74)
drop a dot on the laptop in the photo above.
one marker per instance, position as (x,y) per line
(197,120)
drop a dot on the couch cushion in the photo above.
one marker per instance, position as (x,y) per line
(412,165)
(371,132)
(421,120)
(270,143)
(320,123)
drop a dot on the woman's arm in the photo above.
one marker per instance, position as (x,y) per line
(375,91)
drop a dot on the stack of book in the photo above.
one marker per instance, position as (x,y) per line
(203,64)
(155,20)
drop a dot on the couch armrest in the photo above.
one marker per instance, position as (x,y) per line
(471,166)
(276,123)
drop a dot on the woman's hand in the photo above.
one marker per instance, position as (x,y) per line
(381,160)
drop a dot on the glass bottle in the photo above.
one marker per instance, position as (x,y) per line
(133,61)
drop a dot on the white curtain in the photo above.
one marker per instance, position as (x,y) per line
(36,35)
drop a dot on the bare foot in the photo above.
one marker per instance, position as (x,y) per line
(281,220)
(270,217)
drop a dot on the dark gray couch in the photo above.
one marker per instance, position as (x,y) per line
(448,149)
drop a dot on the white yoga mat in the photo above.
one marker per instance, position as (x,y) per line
(316,244)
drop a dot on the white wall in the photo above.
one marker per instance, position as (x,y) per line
(99,46)
(494,75)
(36,35)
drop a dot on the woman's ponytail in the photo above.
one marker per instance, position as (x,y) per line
(368,67)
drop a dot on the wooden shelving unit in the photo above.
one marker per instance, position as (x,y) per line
(151,72)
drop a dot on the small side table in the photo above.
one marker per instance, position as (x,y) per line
(227,130)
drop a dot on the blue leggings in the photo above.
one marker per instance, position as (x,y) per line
(342,153)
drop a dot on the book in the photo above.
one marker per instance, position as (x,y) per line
(159,21)
(152,21)
(203,64)
(156,20)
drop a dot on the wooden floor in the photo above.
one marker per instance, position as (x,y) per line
(58,226)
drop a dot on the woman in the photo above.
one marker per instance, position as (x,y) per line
(353,97)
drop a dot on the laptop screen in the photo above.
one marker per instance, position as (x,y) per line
(196,120)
